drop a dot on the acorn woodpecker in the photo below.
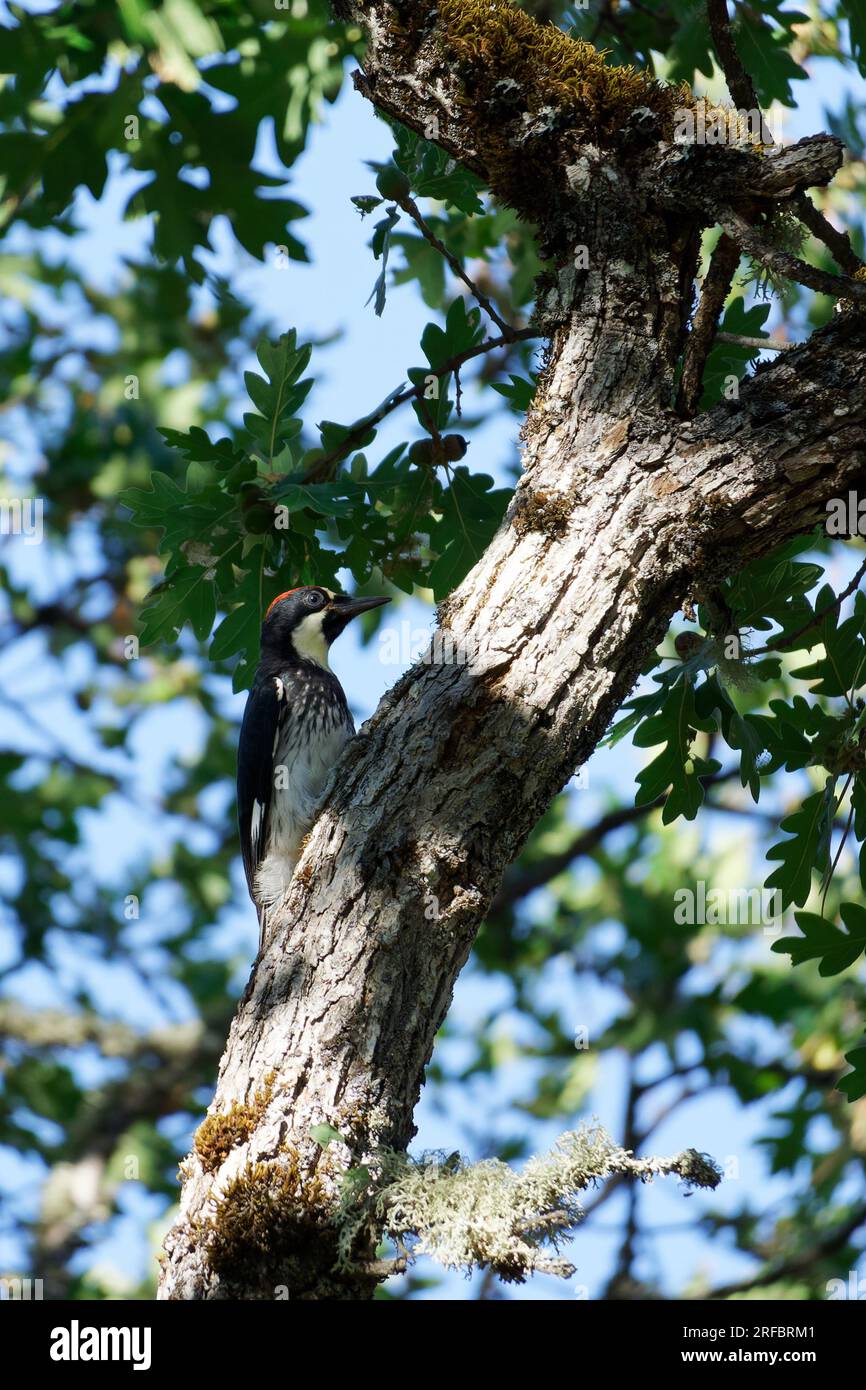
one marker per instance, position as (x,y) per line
(295,724)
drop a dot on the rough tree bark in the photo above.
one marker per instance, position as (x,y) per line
(623,511)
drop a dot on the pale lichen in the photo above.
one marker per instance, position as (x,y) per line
(488,1215)
(847,305)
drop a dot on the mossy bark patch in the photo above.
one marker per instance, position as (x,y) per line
(272,1234)
(218,1134)
(508,56)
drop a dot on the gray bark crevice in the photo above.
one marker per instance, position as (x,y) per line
(622,511)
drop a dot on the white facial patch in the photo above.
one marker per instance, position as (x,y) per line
(309,639)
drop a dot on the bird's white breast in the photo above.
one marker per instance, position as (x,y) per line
(311,734)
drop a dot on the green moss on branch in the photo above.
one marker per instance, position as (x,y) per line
(218,1134)
(271,1234)
(506,55)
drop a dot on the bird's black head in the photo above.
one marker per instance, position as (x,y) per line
(301,624)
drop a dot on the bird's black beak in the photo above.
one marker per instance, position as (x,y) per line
(350,607)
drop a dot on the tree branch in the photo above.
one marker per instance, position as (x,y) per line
(761,344)
(55,1028)
(738,80)
(322,467)
(409,206)
(742,89)
(783,263)
(520,883)
(714,291)
(838,243)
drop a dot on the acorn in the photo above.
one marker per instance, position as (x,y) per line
(687,644)
(454,446)
(421,452)
(393,184)
(251,493)
(259,519)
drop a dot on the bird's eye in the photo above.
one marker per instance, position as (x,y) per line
(314,599)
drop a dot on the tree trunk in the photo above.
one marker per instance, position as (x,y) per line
(623,511)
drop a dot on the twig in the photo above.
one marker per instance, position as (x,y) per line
(781,643)
(714,292)
(739,82)
(56,1028)
(765,344)
(411,207)
(520,885)
(399,397)
(628,1251)
(54,614)
(791,267)
(50,748)
(742,89)
(838,243)
(432,427)
(832,869)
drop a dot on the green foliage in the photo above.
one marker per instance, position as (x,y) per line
(518,392)
(471,509)
(806,849)
(853,1083)
(277,396)
(854,14)
(250,520)
(718,690)
(763,42)
(433,174)
(679,30)
(381,245)
(674,769)
(824,942)
(729,361)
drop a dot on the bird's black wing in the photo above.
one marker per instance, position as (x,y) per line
(255,773)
